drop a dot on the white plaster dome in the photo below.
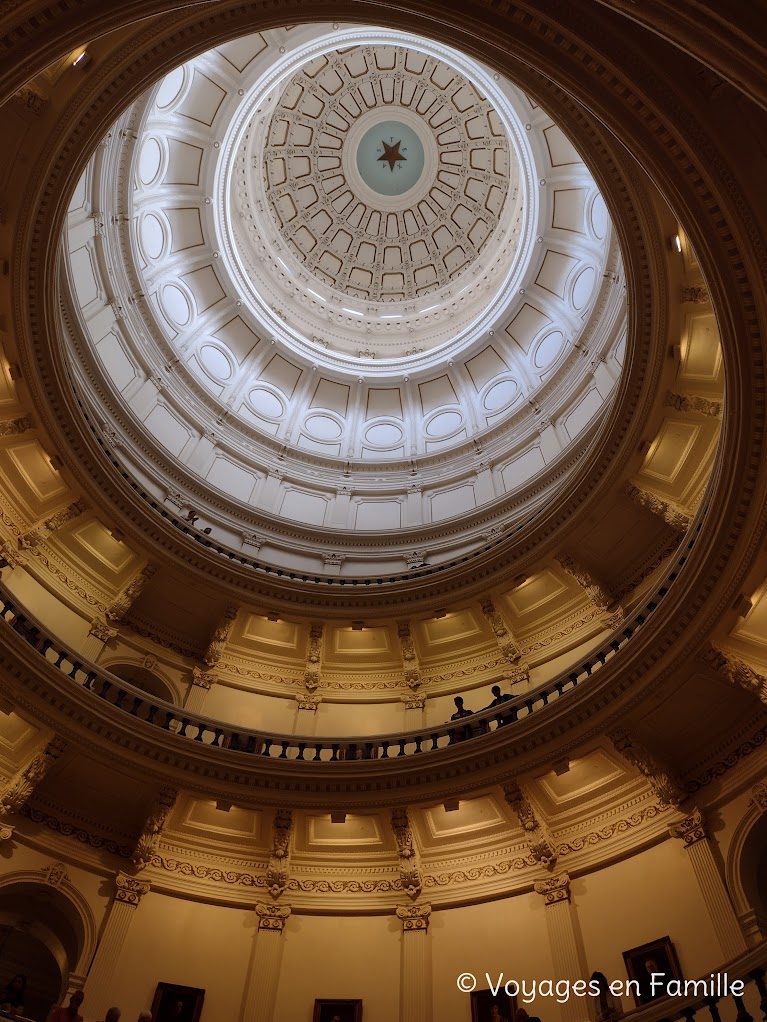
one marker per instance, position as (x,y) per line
(271,339)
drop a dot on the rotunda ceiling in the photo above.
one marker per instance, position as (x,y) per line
(345,285)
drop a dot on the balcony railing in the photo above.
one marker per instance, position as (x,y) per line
(218,734)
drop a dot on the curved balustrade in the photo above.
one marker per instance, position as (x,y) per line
(217,734)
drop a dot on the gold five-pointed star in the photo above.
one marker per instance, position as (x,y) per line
(391,154)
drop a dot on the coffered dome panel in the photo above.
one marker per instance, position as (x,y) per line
(225,335)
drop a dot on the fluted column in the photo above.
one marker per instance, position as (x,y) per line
(564,940)
(415,977)
(98,985)
(691,831)
(264,966)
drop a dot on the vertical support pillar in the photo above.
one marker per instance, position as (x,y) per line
(98,986)
(415,977)
(264,967)
(202,682)
(691,831)
(98,636)
(564,940)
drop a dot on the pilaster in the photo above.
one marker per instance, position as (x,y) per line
(691,831)
(265,962)
(564,940)
(98,986)
(415,976)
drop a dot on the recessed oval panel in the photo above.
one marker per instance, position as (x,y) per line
(176,305)
(583,286)
(152,236)
(149,161)
(599,218)
(322,427)
(216,362)
(548,350)
(444,423)
(265,403)
(384,434)
(500,395)
(172,85)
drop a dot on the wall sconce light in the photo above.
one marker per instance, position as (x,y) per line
(440,613)
(677,243)
(338,816)
(452,805)
(742,605)
(82,60)
(272,615)
(223,807)
(55,462)
(357,626)
(561,766)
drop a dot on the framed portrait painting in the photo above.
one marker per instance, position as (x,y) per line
(651,966)
(489,1007)
(174,1003)
(337,1010)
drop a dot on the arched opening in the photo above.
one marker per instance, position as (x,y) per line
(143,679)
(751,876)
(41,937)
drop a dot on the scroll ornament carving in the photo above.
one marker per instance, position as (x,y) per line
(673,515)
(518,670)
(410,663)
(6,832)
(100,630)
(313,658)
(691,829)
(409,866)
(119,609)
(667,788)
(414,918)
(13,427)
(203,679)
(759,796)
(11,557)
(693,403)
(697,294)
(215,651)
(586,581)
(555,889)
(272,917)
(129,890)
(541,848)
(308,701)
(147,844)
(37,535)
(736,671)
(414,701)
(19,791)
(278,871)
(55,874)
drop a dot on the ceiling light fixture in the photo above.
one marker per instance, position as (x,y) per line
(440,613)
(357,626)
(338,816)
(272,615)
(82,59)
(452,805)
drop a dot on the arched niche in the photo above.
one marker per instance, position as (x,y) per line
(747,867)
(146,680)
(51,912)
